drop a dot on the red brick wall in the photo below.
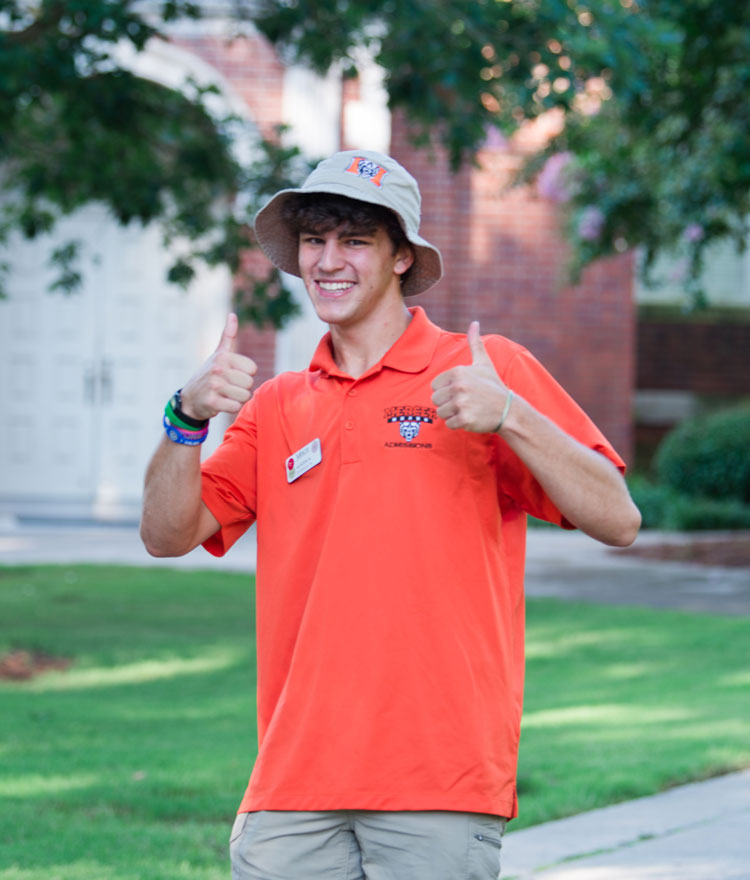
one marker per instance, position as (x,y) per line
(699,357)
(505,266)
(260,345)
(253,69)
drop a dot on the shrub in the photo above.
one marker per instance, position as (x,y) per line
(654,502)
(709,456)
(663,508)
(693,514)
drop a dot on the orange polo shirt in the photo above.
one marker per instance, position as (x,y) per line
(390,609)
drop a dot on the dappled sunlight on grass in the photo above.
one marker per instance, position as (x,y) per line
(135,673)
(80,870)
(91,869)
(738,679)
(709,728)
(131,764)
(36,784)
(624,671)
(623,702)
(546,644)
(602,714)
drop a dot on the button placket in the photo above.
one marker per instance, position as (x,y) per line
(351,422)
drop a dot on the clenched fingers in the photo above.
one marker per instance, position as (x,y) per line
(469,397)
(224,384)
(443,379)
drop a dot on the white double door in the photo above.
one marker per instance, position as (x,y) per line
(84,377)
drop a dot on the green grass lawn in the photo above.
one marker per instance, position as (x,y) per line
(623,702)
(130,764)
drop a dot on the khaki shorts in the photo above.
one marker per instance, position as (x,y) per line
(366,845)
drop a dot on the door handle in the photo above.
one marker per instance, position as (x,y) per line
(106,380)
(89,385)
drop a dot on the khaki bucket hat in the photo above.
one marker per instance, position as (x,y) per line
(369,177)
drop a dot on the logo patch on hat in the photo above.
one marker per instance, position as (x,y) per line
(368,170)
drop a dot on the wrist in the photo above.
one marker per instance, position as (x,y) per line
(184,412)
(180,435)
(181,427)
(506,409)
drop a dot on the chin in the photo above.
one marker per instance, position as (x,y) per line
(332,311)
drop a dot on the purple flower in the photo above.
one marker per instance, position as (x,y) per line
(553,183)
(693,232)
(591,223)
(679,271)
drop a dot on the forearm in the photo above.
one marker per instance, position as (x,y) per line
(585,486)
(174,519)
(171,522)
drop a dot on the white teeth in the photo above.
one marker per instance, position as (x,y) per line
(335,285)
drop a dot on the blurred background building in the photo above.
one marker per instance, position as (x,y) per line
(84,377)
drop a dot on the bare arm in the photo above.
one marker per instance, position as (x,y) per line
(174,519)
(585,487)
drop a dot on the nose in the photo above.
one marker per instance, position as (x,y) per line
(330,258)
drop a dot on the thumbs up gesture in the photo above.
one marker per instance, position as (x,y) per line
(224,382)
(471,397)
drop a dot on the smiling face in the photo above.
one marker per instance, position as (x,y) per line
(352,277)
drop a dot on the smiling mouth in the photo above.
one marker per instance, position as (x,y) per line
(335,287)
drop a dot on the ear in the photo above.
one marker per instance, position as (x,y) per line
(404,259)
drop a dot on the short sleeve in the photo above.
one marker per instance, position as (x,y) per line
(229,481)
(524,375)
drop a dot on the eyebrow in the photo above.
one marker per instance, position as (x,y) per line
(345,233)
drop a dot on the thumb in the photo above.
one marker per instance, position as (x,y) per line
(228,341)
(478,351)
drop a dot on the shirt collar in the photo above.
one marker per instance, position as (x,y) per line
(410,353)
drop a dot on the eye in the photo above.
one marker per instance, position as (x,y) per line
(311,239)
(357,242)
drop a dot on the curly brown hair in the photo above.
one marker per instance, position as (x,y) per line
(322,212)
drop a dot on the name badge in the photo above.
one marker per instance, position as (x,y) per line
(301,461)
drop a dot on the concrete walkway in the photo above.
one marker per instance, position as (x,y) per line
(566,565)
(59,542)
(570,565)
(695,832)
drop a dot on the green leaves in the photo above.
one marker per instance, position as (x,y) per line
(77,127)
(64,258)
(654,98)
(669,157)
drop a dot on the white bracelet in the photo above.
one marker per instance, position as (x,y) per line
(506,408)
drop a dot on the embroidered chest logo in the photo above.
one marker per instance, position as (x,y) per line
(367,169)
(410,420)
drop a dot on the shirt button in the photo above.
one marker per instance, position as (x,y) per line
(352,392)
(349,425)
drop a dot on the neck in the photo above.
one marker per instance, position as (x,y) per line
(361,346)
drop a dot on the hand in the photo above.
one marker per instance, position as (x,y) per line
(223,383)
(471,397)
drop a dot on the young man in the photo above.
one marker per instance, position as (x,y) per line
(390,483)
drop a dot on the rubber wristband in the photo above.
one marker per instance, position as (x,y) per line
(184,438)
(188,435)
(178,422)
(176,403)
(506,410)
